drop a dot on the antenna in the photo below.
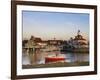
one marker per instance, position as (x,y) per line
(78,33)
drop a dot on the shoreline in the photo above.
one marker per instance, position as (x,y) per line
(58,64)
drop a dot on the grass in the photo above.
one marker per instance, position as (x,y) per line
(58,64)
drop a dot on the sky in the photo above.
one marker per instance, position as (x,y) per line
(50,25)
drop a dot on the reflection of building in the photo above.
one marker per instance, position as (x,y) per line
(32,48)
(78,44)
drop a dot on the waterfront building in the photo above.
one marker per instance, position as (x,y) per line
(79,41)
(77,44)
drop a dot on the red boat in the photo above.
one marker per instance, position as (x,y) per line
(53,59)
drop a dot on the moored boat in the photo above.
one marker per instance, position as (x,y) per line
(54,59)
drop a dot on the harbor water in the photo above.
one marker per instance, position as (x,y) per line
(40,57)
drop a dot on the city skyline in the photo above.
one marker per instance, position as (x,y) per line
(50,25)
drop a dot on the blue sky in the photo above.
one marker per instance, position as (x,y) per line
(48,25)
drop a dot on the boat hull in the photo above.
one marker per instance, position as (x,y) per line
(54,59)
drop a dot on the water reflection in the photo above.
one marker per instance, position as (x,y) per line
(39,57)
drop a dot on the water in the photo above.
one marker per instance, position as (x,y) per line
(69,57)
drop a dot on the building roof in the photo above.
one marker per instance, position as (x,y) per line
(79,37)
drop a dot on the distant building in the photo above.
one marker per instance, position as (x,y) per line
(77,44)
(55,42)
(78,41)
